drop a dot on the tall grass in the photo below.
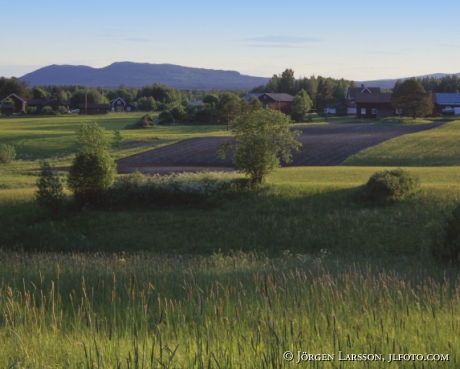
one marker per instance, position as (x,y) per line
(235,311)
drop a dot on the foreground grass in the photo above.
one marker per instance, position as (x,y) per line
(235,311)
(437,147)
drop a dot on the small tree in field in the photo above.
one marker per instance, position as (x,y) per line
(50,190)
(261,140)
(92,170)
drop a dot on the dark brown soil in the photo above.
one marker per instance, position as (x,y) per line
(322,145)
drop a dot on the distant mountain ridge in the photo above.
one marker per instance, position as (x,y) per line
(390,83)
(133,74)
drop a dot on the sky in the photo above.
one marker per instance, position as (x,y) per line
(355,40)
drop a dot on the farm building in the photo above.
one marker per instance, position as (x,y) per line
(19,103)
(94,109)
(374,105)
(121,104)
(7,109)
(445,103)
(352,92)
(279,101)
(338,108)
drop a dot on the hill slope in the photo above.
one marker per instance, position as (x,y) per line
(390,83)
(139,74)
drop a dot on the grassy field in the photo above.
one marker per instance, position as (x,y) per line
(429,148)
(300,264)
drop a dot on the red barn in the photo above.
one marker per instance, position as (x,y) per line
(374,105)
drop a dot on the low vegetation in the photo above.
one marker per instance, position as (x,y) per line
(7,153)
(384,187)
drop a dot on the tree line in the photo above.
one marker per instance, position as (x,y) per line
(321,90)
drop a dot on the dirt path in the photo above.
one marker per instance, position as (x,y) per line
(322,145)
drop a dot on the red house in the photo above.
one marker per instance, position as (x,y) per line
(374,105)
(279,101)
(352,92)
(19,103)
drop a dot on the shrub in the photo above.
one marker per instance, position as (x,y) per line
(62,110)
(388,185)
(7,153)
(50,190)
(446,247)
(166,117)
(139,189)
(47,110)
(31,110)
(146,121)
(92,170)
(89,175)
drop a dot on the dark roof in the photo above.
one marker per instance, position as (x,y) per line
(94,106)
(118,98)
(16,96)
(352,92)
(373,98)
(7,106)
(447,98)
(37,101)
(336,105)
(280,96)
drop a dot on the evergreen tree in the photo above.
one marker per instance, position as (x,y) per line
(412,98)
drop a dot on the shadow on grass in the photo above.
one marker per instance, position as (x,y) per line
(271,219)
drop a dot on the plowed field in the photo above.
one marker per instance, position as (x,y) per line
(322,145)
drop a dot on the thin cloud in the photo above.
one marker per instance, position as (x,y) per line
(283,39)
(138,39)
(385,52)
(286,42)
(278,46)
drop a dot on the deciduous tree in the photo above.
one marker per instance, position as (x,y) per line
(261,140)
(301,105)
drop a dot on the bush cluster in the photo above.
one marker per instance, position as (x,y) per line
(446,247)
(181,188)
(7,153)
(50,189)
(146,121)
(386,186)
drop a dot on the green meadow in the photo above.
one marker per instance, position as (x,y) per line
(300,264)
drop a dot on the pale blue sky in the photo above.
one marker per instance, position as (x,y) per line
(357,40)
